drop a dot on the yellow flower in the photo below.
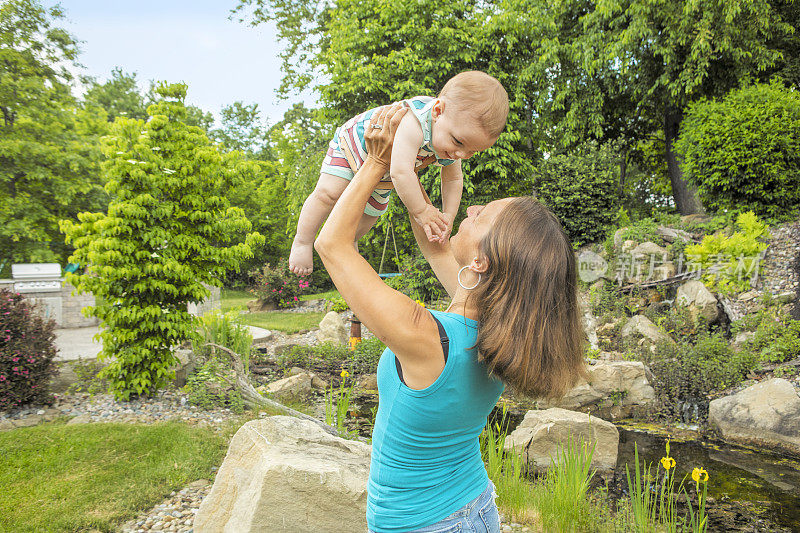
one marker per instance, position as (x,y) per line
(667,462)
(420,302)
(699,475)
(345,373)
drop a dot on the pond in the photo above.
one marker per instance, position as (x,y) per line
(751,490)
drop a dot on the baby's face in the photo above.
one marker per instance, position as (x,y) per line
(456,134)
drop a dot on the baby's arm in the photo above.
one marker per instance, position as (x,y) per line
(452,187)
(406,145)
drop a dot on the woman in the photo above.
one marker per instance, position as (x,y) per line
(510,271)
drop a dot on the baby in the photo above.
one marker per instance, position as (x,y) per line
(468,116)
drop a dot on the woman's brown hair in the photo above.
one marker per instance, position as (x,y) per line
(530,332)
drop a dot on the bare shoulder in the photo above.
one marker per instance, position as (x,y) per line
(409,130)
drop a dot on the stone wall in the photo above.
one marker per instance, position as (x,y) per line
(65,308)
(60,306)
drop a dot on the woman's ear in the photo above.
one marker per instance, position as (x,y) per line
(479,264)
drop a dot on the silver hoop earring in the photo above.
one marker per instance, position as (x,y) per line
(462,285)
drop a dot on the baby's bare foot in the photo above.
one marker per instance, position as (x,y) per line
(301,259)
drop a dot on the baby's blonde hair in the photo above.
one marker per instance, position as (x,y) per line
(482,96)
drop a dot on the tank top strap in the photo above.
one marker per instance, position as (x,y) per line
(422,106)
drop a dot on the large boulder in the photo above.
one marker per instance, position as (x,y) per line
(694,295)
(647,249)
(640,325)
(613,383)
(765,414)
(541,433)
(286,474)
(332,329)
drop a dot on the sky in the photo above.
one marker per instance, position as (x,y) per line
(192,41)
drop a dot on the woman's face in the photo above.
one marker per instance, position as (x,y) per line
(480,219)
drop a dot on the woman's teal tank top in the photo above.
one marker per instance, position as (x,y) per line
(426,460)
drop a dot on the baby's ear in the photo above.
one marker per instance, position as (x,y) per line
(438,108)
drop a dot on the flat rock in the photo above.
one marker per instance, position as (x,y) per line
(80,419)
(767,413)
(643,326)
(297,386)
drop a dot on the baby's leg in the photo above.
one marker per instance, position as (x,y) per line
(364,225)
(315,210)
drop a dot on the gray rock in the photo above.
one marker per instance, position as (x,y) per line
(259,306)
(28,421)
(613,382)
(765,414)
(747,296)
(741,338)
(672,234)
(694,295)
(541,433)
(785,297)
(647,249)
(80,419)
(316,381)
(368,382)
(643,326)
(332,329)
(297,386)
(286,474)
(6,425)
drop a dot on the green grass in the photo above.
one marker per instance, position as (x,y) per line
(282,321)
(321,295)
(232,299)
(58,478)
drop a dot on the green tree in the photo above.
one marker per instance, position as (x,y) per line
(119,96)
(243,130)
(194,115)
(659,57)
(376,52)
(48,154)
(168,230)
(743,151)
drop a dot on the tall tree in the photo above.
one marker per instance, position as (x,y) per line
(119,96)
(243,130)
(660,55)
(48,159)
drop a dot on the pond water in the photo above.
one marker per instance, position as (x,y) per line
(748,490)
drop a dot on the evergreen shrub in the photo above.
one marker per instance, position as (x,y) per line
(743,151)
(581,188)
(27,349)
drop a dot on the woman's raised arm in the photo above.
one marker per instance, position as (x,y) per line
(405,327)
(438,254)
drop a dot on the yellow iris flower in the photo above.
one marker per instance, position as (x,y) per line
(667,462)
(420,302)
(345,373)
(699,475)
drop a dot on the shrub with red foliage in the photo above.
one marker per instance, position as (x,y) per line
(27,350)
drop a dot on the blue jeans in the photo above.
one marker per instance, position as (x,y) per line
(478,516)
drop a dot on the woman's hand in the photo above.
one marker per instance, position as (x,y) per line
(380,131)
